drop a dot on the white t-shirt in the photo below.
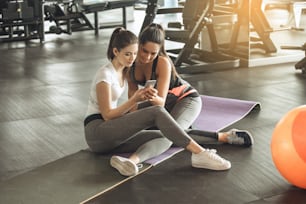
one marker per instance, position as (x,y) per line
(108,75)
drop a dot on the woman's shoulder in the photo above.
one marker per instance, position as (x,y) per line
(163,62)
(106,68)
(105,71)
(163,59)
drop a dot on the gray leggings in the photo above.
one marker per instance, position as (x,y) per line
(185,112)
(128,133)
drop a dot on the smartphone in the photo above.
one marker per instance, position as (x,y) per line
(150,83)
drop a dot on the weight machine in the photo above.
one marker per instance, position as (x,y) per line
(70,15)
(252,18)
(67,16)
(197,14)
(24,19)
(21,20)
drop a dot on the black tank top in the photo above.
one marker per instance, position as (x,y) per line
(178,88)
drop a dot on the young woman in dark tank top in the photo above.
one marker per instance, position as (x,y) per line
(180,99)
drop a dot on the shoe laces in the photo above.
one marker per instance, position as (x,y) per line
(140,165)
(212,153)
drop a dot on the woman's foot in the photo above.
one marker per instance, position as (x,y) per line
(240,137)
(209,159)
(125,166)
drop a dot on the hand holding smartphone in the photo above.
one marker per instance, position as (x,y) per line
(150,83)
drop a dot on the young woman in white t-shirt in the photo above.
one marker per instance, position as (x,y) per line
(112,128)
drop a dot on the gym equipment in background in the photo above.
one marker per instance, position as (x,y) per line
(294,7)
(24,19)
(67,17)
(70,15)
(197,15)
(261,27)
(250,15)
(21,20)
(302,63)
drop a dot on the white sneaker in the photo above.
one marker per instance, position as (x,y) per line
(209,159)
(124,165)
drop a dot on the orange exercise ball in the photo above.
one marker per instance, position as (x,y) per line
(288,146)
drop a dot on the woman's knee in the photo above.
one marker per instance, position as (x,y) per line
(98,147)
(158,110)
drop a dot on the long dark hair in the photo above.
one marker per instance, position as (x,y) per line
(120,39)
(156,34)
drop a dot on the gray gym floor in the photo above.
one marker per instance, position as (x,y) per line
(44,91)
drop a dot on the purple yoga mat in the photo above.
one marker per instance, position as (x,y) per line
(218,113)
(166,155)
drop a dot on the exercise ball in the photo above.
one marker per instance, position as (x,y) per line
(288,146)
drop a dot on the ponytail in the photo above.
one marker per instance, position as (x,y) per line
(120,39)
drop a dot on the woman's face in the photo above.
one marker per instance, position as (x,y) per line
(127,55)
(147,52)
